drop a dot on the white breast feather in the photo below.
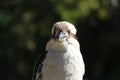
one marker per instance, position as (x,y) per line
(64,62)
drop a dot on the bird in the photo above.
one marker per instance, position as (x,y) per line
(63,59)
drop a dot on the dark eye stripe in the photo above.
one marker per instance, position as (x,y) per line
(68,31)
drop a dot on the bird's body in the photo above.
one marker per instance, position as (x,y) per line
(63,59)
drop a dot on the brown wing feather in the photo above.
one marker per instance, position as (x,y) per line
(37,74)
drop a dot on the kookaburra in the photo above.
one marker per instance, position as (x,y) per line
(63,60)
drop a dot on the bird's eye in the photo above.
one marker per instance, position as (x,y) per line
(68,31)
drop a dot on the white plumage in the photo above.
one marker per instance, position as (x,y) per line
(63,59)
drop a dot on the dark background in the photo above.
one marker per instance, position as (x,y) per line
(25,27)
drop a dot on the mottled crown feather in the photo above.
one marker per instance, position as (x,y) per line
(64,25)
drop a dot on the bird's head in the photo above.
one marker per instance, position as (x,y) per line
(63,30)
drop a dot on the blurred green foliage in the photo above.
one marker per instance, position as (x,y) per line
(25,27)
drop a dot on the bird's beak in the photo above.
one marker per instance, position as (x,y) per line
(63,36)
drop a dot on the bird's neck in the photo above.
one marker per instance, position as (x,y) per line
(63,45)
